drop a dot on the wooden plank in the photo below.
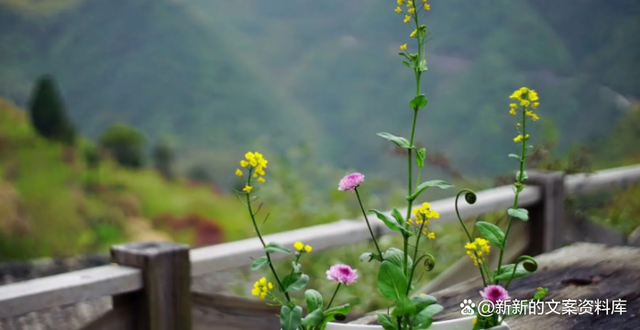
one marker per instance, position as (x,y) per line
(547,217)
(165,301)
(235,254)
(33,295)
(119,318)
(615,177)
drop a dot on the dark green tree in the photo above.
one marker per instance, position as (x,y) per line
(125,144)
(47,112)
(163,157)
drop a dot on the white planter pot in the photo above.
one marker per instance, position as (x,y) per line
(463,323)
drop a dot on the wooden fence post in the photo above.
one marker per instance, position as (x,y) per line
(165,301)
(547,216)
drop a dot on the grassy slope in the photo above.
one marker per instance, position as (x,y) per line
(48,212)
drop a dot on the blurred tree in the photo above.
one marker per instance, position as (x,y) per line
(200,173)
(125,144)
(163,157)
(48,113)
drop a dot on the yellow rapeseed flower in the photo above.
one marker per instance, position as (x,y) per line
(238,172)
(298,246)
(477,250)
(307,248)
(407,18)
(411,11)
(400,2)
(432,236)
(519,138)
(410,3)
(247,188)
(413,34)
(244,163)
(426,6)
(261,287)
(261,180)
(424,213)
(398,10)
(532,115)
(403,47)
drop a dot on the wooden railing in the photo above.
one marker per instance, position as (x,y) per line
(150,282)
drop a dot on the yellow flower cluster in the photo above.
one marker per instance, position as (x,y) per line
(261,288)
(478,250)
(422,215)
(302,247)
(411,8)
(519,138)
(528,99)
(256,163)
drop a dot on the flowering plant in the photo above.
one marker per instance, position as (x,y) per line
(478,249)
(318,315)
(395,278)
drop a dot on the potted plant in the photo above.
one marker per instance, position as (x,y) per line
(497,304)
(319,312)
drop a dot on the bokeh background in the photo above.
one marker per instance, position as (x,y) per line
(124,120)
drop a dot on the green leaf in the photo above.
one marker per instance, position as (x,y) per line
(314,300)
(294,282)
(425,317)
(521,214)
(421,155)
(387,321)
(407,64)
(392,281)
(313,319)
(396,257)
(404,306)
(399,219)
(428,184)
(276,248)
(290,318)
(399,141)
(387,221)
(541,293)
(491,233)
(514,156)
(334,313)
(371,256)
(524,175)
(418,102)
(259,263)
(504,273)
(423,66)
(423,301)
(296,266)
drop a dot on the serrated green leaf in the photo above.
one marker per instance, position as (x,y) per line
(314,300)
(504,273)
(396,215)
(392,281)
(294,282)
(387,221)
(276,248)
(418,102)
(399,141)
(521,214)
(259,263)
(290,318)
(387,322)
(491,233)
(428,184)
(313,319)
(425,317)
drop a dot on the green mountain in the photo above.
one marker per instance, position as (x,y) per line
(225,76)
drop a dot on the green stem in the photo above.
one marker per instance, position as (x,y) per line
(368,225)
(255,225)
(415,255)
(519,180)
(334,295)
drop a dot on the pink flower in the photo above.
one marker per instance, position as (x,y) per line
(495,293)
(351,182)
(342,274)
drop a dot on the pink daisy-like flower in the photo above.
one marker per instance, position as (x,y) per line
(351,182)
(342,274)
(495,293)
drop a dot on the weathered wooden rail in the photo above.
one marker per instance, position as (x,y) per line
(150,285)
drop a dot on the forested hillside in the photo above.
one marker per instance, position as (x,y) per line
(221,75)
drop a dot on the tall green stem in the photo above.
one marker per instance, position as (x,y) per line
(255,226)
(519,185)
(334,295)
(368,225)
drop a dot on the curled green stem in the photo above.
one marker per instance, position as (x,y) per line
(525,260)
